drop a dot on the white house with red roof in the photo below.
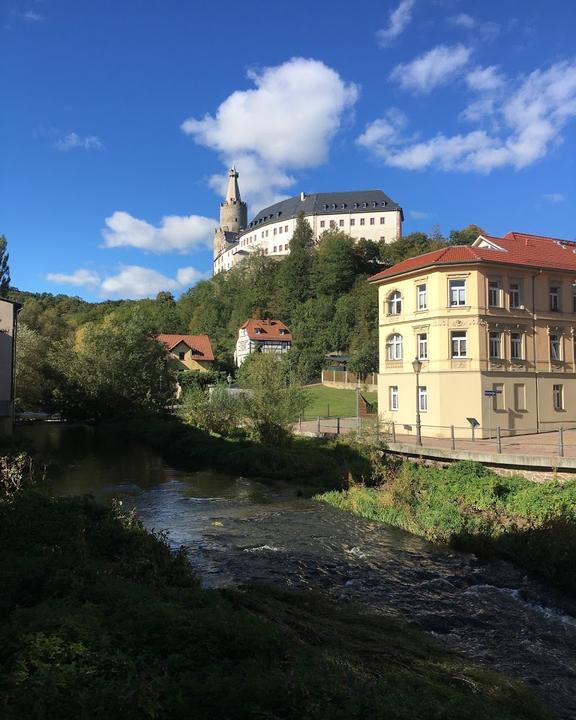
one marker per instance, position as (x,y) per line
(267,336)
(491,329)
(189,352)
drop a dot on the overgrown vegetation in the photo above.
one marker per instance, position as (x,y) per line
(99,619)
(468,506)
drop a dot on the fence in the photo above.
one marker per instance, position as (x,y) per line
(347,379)
(558,443)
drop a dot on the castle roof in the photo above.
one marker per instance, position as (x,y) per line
(199,344)
(514,249)
(273,330)
(334,203)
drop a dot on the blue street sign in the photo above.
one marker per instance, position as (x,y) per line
(490,393)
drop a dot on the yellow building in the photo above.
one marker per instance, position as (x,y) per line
(8,322)
(189,352)
(493,328)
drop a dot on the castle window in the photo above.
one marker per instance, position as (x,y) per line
(382,220)
(341,223)
(355,205)
(274,249)
(275,231)
(372,221)
(352,221)
(333,206)
(285,228)
(364,205)
(322,223)
(374,204)
(362,221)
(280,229)
(343,206)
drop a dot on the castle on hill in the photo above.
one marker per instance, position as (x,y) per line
(362,214)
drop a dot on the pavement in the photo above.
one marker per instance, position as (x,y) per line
(536,445)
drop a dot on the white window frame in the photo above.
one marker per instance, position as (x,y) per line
(462,340)
(517,341)
(393,398)
(558,397)
(395,303)
(457,292)
(422,296)
(494,293)
(394,350)
(515,289)
(555,341)
(422,398)
(422,346)
(495,341)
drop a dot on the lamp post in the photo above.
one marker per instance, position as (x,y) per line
(417,366)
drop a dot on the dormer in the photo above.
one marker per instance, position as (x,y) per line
(483,242)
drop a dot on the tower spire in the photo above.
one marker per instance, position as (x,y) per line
(233,191)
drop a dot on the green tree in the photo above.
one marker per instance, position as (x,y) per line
(119,370)
(32,381)
(466,236)
(4,267)
(294,274)
(409,246)
(335,266)
(272,405)
(215,411)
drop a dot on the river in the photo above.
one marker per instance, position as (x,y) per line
(239,530)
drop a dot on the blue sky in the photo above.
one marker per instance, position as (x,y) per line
(119,119)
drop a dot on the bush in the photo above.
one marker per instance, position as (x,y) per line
(216,411)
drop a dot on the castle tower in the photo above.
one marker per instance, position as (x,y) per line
(233,215)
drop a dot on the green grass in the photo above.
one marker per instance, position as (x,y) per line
(466,505)
(334,402)
(98,619)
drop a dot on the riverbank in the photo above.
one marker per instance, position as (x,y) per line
(100,618)
(305,460)
(532,525)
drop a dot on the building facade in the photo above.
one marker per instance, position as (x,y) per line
(189,352)
(493,326)
(8,324)
(368,214)
(267,336)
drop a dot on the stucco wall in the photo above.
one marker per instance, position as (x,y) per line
(456,387)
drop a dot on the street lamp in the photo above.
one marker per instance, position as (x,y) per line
(417,366)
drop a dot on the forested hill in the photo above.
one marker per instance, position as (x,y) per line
(320,292)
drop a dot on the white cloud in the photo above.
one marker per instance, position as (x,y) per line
(554,197)
(527,115)
(286,122)
(399,20)
(73,141)
(174,234)
(134,281)
(463,20)
(436,67)
(485,79)
(80,278)
(32,16)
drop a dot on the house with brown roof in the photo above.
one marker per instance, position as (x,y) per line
(486,332)
(267,336)
(189,352)
(8,323)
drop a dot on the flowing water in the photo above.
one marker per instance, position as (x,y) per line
(240,530)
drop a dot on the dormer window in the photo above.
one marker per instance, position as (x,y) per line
(258,330)
(364,205)
(355,205)
(282,331)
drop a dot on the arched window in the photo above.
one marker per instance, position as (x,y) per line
(395,303)
(394,347)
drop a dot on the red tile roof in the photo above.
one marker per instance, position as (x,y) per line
(269,330)
(520,249)
(199,344)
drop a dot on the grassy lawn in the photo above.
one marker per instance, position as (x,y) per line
(333,402)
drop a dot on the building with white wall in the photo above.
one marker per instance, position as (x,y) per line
(267,336)
(362,214)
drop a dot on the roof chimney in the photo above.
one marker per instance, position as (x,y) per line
(302,196)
